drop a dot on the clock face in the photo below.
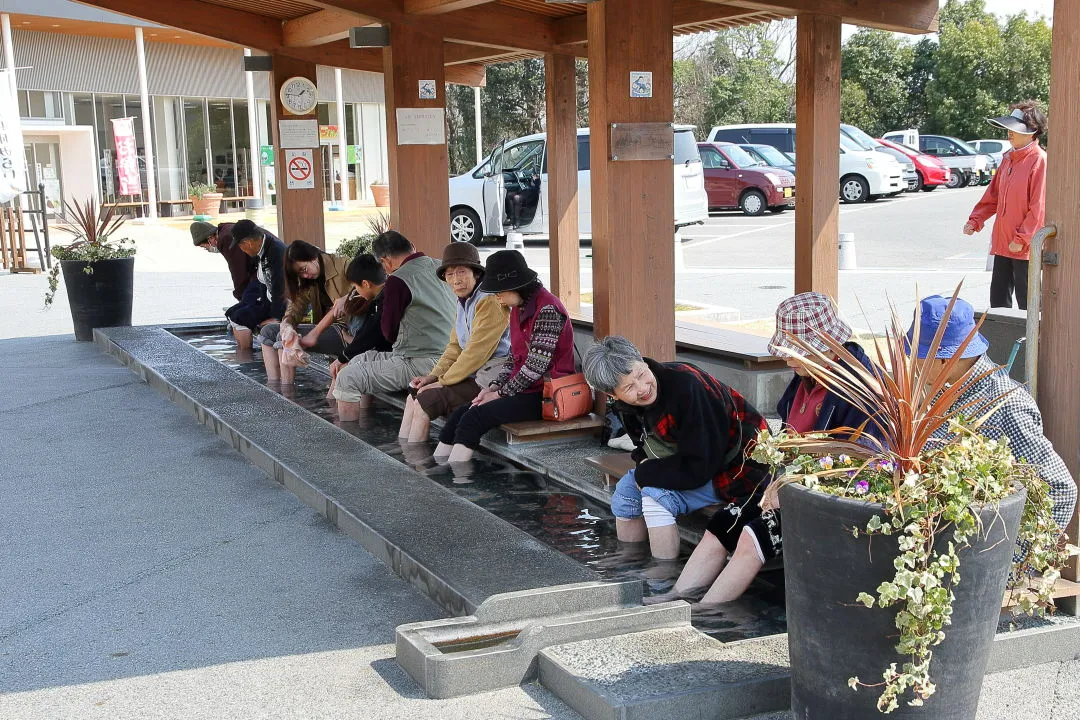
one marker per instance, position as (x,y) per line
(299,95)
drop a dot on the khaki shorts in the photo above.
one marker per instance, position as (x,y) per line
(378,372)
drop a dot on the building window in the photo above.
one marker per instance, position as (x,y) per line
(42,105)
(245,153)
(195,137)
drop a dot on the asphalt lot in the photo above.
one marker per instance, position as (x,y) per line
(906,246)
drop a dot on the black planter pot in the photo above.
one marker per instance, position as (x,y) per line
(99,299)
(831,637)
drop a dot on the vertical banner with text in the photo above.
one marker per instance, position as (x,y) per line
(127,161)
(12,156)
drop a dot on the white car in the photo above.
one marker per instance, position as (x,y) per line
(508,191)
(994,148)
(864,175)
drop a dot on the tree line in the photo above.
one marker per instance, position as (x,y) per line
(975,68)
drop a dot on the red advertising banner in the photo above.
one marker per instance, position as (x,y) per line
(127,160)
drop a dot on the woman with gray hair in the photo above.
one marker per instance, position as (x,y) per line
(690,433)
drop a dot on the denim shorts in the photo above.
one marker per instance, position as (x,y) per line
(626,500)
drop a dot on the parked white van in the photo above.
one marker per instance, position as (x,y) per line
(508,190)
(864,175)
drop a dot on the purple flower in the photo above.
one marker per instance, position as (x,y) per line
(826,462)
(852,473)
(886,466)
(862,487)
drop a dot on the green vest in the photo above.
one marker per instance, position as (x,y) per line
(425,326)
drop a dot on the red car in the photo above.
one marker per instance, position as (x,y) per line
(931,171)
(736,179)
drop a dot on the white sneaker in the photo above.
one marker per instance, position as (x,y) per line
(622,442)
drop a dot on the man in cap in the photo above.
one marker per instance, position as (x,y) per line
(217,239)
(1017,417)
(1017,195)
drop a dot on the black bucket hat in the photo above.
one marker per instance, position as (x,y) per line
(1013,121)
(507,270)
(459,254)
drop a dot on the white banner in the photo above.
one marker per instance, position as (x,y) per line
(12,157)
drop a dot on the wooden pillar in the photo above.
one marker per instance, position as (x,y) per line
(1059,334)
(300,211)
(633,214)
(817,154)
(419,193)
(562,185)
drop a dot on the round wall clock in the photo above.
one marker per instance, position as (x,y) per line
(299,96)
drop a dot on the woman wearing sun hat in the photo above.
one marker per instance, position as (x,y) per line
(477,352)
(541,345)
(1017,195)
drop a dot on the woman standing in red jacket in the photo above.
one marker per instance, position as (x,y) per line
(1017,195)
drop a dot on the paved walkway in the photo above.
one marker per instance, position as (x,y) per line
(150,572)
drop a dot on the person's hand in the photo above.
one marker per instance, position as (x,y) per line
(1016,247)
(485,396)
(420,381)
(770,500)
(969,228)
(309,340)
(335,368)
(429,386)
(339,307)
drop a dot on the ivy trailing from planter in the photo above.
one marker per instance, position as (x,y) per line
(930,474)
(93,240)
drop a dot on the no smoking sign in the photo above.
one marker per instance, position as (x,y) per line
(299,170)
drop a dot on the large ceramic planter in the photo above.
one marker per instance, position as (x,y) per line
(209,204)
(831,637)
(381,193)
(101,298)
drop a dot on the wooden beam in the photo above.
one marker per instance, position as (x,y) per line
(419,193)
(457,53)
(436,7)
(906,16)
(237,26)
(491,25)
(300,212)
(633,201)
(1059,335)
(817,154)
(339,54)
(321,27)
(560,73)
(571,30)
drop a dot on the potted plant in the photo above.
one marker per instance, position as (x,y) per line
(351,247)
(897,552)
(381,192)
(205,199)
(98,270)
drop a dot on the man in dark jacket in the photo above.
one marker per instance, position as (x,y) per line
(263,300)
(691,434)
(217,239)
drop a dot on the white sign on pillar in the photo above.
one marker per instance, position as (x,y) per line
(12,157)
(299,170)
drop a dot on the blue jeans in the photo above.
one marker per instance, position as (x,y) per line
(626,500)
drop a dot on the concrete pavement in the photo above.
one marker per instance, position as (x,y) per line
(149,572)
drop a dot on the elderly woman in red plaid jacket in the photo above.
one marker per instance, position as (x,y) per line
(690,432)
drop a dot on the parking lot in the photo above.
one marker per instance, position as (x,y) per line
(908,245)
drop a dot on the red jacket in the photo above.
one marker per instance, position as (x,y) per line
(1017,195)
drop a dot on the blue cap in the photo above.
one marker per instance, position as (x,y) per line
(961,323)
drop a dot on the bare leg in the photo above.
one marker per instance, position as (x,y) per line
(348,411)
(442,450)
(738,574)
(407,418)
(631,530)
(664,542)
(271,363)
(242,336)
(288,372)
(703,567)
(366,401)
(460,453)
(421,423)
(330,391)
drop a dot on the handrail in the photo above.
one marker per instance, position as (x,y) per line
(1034,306)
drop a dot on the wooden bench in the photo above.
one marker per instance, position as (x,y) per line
(1063,590)
(237,199)
(543,430)
(168,208)
(138,205)
(612,465)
